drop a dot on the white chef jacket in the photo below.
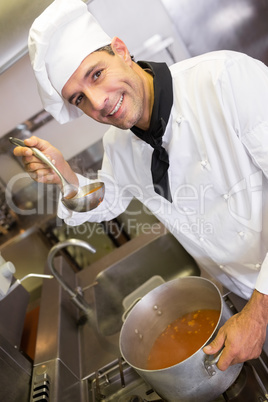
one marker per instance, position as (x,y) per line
(217,142)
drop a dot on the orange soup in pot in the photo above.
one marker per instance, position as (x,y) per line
(182,338)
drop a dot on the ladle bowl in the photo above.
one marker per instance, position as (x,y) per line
(79,199)
(87,198)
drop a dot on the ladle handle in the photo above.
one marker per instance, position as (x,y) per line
(41,156)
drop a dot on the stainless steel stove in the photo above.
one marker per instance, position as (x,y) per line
(78,358)
(119,382)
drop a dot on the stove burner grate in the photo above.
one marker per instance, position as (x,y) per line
(119,382)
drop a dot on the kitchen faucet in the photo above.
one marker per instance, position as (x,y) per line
(77,294)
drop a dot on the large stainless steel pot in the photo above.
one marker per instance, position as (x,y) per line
(196,378)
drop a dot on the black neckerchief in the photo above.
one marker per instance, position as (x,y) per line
(163,101)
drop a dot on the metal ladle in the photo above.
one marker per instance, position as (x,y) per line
(79,199)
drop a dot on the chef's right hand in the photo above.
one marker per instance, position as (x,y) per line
(243,334)
(38,170)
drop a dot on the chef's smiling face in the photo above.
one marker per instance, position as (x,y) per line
(112,89)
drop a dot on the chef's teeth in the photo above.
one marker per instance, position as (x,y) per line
(117,106)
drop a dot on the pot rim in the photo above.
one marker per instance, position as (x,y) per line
(194,354)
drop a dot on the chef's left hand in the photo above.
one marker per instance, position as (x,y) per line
(243,335)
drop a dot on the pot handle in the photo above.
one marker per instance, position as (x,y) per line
(126,313)
(211,361)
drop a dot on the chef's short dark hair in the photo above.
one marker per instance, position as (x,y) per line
(108,49)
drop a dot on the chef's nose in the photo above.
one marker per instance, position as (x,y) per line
(96,97)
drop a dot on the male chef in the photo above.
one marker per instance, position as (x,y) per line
(189,141)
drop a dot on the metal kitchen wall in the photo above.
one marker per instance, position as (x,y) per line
(208,25)
(136,23)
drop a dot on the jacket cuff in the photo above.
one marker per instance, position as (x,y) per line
(262,280)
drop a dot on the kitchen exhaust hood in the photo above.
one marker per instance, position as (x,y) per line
(16,18)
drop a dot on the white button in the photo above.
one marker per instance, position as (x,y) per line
(179,119)
(226,196)
(257,266)
(201,238)
(221,266)
(189,211)
(204,163)
(241,234)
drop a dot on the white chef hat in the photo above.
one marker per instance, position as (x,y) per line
(59,40)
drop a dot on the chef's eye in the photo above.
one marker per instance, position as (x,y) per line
(78,100)
(96,75)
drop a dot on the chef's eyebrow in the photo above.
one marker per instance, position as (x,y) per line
(87,74)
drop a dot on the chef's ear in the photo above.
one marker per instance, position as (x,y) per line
(120,48)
